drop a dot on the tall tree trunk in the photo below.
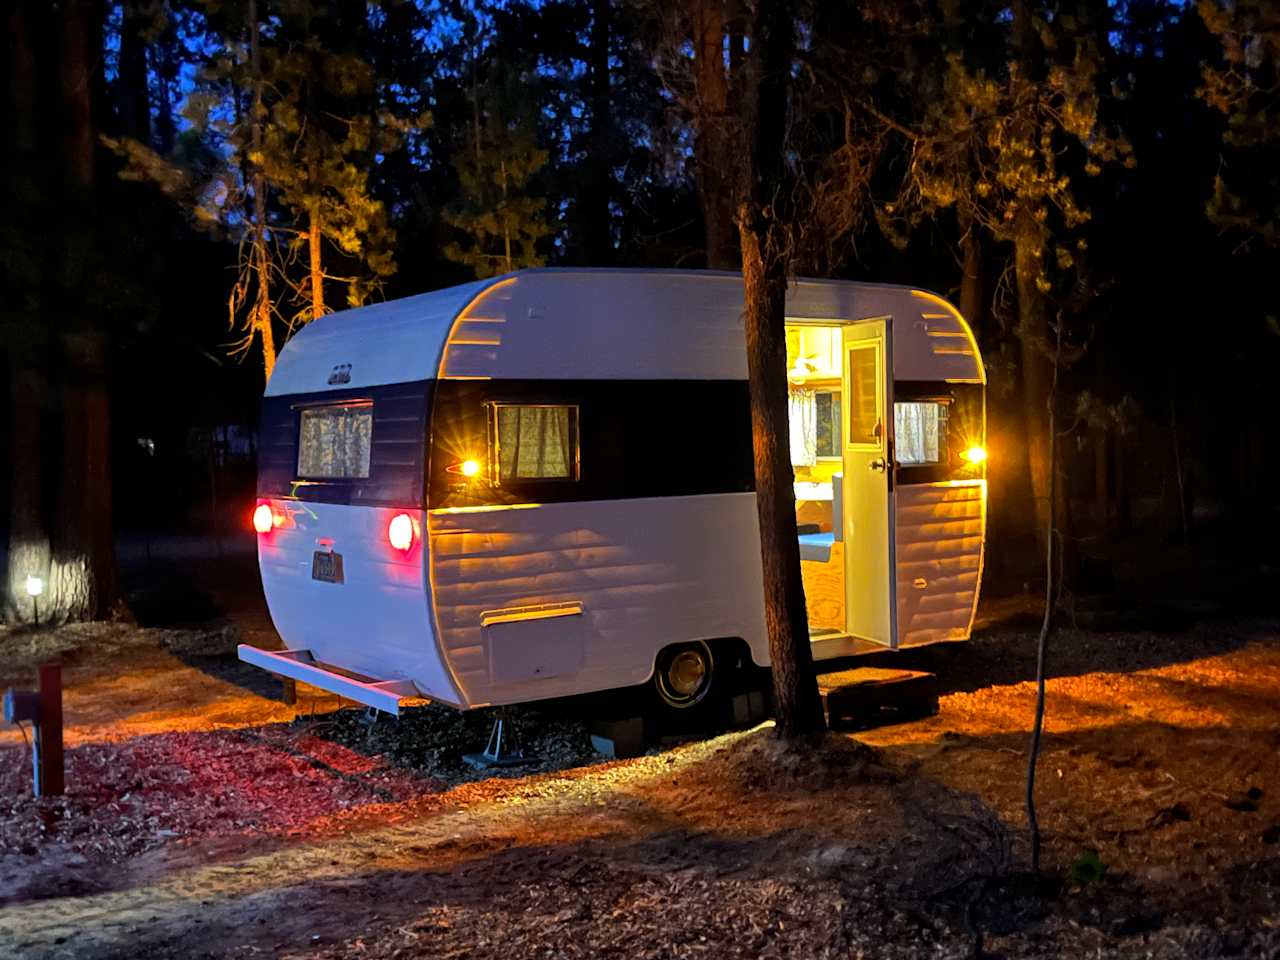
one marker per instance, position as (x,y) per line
(1123,521)
(972,278)
(1099,436)
(28,551)
(260,256)
(166,72)
(764,273)
(597,233)
(27,548)
(134,100)
(82,581)
(1029,268)
(315,234)
(1100,439)
(1033,335)
(506,218)
(77,64)
(714,141)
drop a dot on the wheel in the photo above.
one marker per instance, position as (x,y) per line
(683,675)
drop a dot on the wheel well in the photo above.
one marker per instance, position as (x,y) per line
(723,649)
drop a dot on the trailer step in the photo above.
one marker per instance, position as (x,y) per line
(871,696)
(384,695)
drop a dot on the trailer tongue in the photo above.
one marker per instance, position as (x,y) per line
(384,695)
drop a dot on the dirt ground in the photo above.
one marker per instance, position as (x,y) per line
(206,818)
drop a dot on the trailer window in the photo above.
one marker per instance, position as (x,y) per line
(828,425)
(536,442)
(335,441)
(865,384)
(920,432)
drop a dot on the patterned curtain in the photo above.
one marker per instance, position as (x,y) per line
(803,417)
(534,443)
(335,442)
(915,430)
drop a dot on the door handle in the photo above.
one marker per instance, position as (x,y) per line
(878,464)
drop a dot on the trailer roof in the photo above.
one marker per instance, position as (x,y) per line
(577,323)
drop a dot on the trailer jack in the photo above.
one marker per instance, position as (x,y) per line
(504,748)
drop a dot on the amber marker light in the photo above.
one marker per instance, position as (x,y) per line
(975,455)
(467,468)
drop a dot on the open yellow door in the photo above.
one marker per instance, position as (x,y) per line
(870,608)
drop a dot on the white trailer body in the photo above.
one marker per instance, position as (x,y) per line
(532,486)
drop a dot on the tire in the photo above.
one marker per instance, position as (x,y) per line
(684,676)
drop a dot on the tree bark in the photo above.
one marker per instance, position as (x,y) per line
(1123,521)
(27,550)
(76,65)
(597,232)
(166,73)
(134,102)
(82,580)
(315,252)
(1033,330)
(506,219)
(972,279)
(714,141)
(764,273)
(1029,268)
(259,256)
(1046,624)
(1101,482)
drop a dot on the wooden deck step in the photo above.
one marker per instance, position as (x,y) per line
(867,696)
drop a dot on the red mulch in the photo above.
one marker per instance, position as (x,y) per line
(128,797)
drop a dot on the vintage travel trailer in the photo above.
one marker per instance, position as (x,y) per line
(541,485)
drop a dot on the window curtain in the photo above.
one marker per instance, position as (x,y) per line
(915,430)
(335,442)
(533,442)
(802,413)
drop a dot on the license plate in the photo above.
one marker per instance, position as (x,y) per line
(326,566)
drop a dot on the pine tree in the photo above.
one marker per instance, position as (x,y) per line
(54,322)
(1013,116)
(320,141)
(500,217)
(1244,86)
(285,130)
(710,93)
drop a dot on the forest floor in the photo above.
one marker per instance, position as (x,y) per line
(204,817)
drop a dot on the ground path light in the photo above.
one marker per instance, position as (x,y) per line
(35,587)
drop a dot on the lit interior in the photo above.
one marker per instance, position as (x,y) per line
(817,409)
(931,438)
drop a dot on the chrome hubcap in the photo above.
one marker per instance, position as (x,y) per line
(685,674)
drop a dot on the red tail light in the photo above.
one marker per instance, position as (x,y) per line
(271,515)
(263,518)
(401,532)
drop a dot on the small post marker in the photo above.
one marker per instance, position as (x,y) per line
(50,769)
